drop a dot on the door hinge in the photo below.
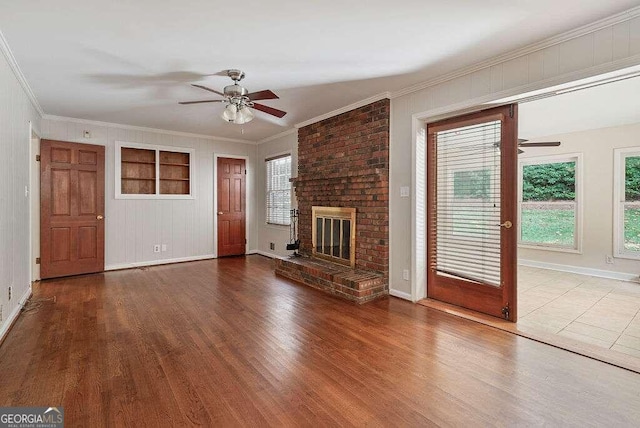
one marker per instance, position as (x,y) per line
(505,312)
(37,158)
(245,172)
(245,241)
(511,111)
(37,260)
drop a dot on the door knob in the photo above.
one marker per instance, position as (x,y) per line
(220,213)
(99,217)
(507,224)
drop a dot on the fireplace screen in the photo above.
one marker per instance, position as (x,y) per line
(334,234)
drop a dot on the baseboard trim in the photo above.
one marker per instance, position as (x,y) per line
(158,262)
(621,276)
(14,315)
(400,295)
(266,254)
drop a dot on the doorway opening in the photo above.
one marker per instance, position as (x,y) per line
(578,204)
(471,210)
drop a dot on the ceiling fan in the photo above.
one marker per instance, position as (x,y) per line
(239,101)
(524,143)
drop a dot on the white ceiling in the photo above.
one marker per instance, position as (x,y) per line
(612,104)
(131,62)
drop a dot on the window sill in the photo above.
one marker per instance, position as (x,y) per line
(277,226)
(153,196)
(550,248)
(626,256)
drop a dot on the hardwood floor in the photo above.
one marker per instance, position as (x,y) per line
(225,342)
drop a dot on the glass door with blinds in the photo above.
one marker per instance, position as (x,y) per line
(472,194)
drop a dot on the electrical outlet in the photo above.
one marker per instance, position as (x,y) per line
(164,247)
(156,248)
(9,294)
(405,274)
(609,260)
(272,246)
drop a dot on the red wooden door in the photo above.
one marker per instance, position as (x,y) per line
(71,208)
(471,199)
(231,207)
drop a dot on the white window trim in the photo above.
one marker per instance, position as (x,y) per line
(618,196)
(266,190)
(118,170)
(578,232)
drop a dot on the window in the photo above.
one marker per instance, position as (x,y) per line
(472,190)
(279,190)
(472,184)
(153,172)
(627,203)
(550,205)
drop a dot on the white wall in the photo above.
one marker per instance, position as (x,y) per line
(600,47)
(267,233)
(597,148)
(16,111)
(133,227)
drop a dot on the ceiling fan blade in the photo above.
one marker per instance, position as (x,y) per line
(541,144)
(262,95)
(520,151)
(199,102)
(208,89)
(522,140)
(269,110)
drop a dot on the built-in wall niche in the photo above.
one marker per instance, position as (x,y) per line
(153,172)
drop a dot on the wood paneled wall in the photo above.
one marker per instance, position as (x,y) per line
(16,111)
(133,227)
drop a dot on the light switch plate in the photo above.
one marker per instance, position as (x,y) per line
(404,191)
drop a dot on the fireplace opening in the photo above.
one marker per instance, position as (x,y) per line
(334,234)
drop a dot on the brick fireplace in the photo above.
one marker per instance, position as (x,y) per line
(343,162)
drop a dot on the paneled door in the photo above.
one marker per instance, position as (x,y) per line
(231,207)
(471,205)
(71,208)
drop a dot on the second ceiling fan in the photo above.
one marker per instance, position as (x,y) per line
(239,100)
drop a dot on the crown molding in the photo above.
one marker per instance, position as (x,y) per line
(6,50)
(276,136)
(345,109)
(529,49)
(145,129)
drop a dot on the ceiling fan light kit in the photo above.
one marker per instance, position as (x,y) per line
(236,115)
(239,101)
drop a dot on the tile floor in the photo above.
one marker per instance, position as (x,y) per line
(599,311)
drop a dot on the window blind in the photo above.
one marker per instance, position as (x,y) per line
(279,190)
(468,202)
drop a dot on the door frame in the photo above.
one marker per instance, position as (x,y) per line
(248,205)
(34,198)
(478,295)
